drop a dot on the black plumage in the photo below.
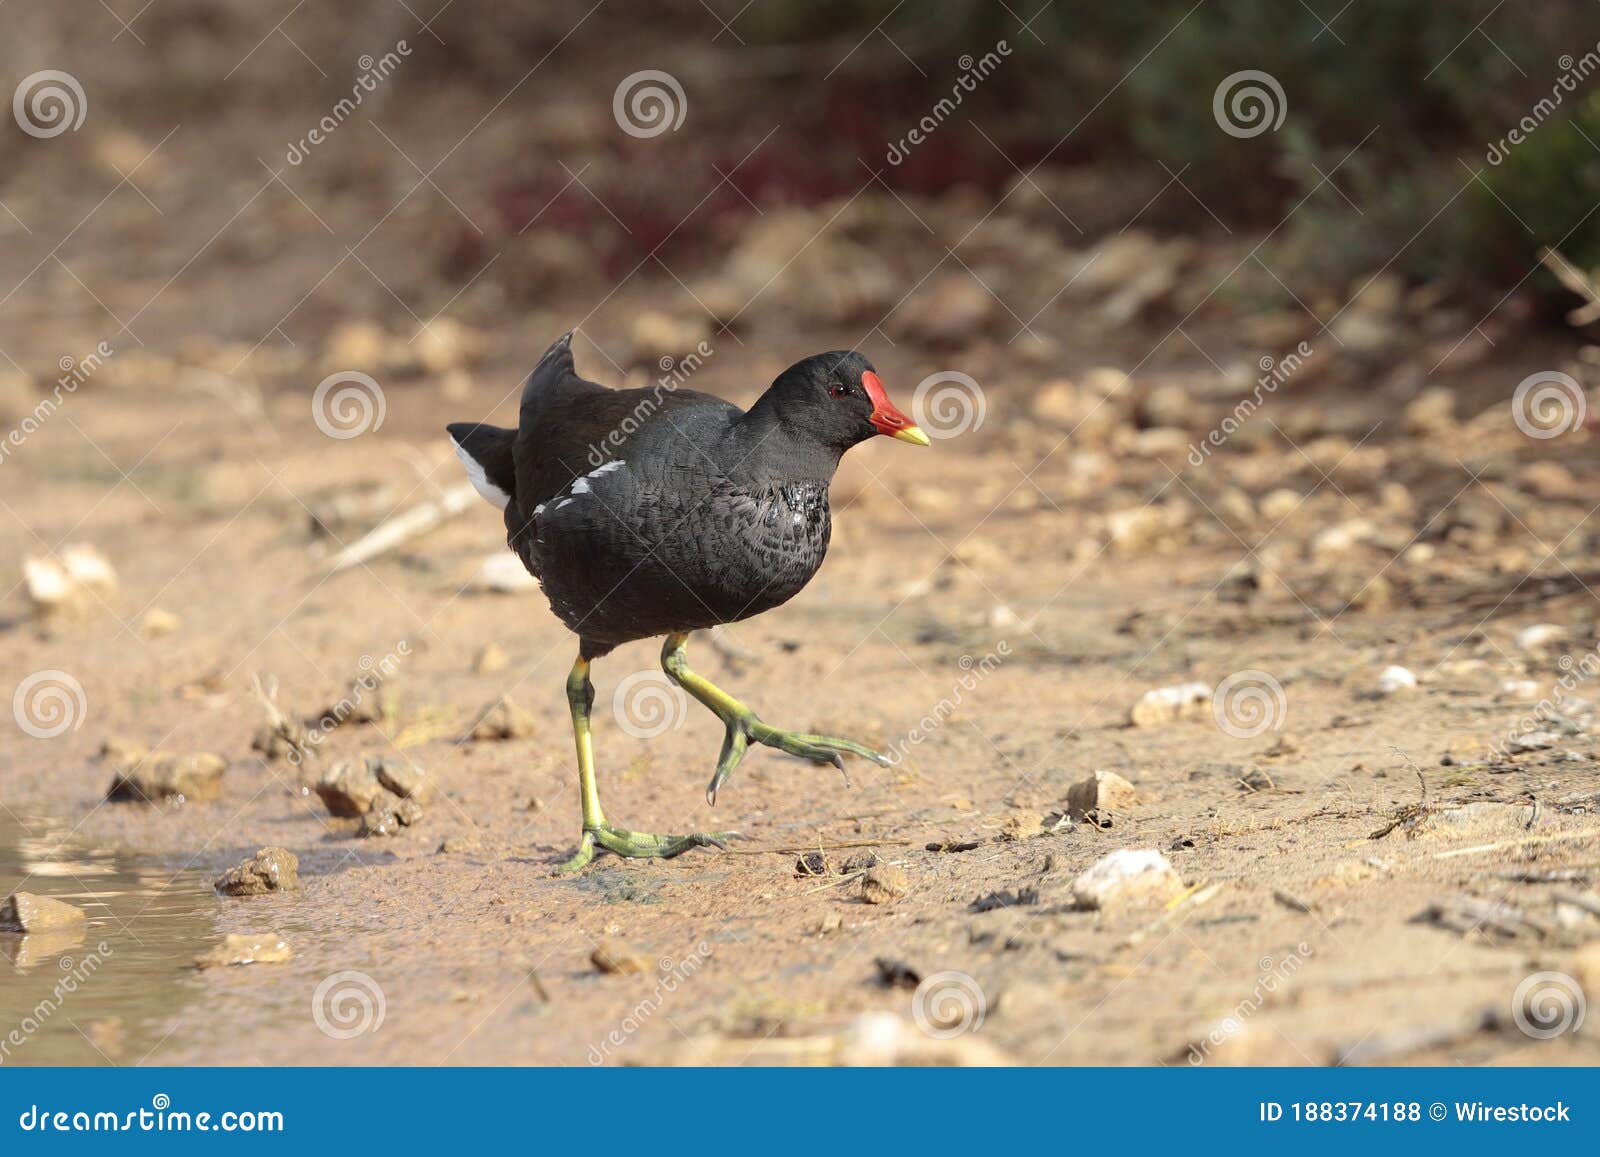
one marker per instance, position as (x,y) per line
(649,511)
(661,511)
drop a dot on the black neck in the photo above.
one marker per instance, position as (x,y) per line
(761,446)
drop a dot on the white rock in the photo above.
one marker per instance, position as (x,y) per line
(1281,503)
(1167,704)
(1343,536)
(1534,741)
(1393,680)
(47,582)
(1519,689)
(1539,636)
(1127,876)
(69,579)
(88,567)
(1002,616)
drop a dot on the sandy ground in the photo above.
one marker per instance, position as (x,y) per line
(481,956)
(992,608)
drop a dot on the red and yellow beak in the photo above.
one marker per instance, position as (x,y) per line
(886,417)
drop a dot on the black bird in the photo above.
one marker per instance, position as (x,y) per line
(661,511)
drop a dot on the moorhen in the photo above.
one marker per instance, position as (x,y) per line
(661,511)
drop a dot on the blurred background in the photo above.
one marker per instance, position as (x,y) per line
(1255,337)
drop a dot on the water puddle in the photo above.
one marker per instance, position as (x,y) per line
(109,993)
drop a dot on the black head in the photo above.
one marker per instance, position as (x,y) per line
(837,400)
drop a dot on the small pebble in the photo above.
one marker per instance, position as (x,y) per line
(265,948)
(501,720)
(491,660)
(1104,791)
(616,959)
(1127,876)
(26,912)
(1394,680)
(269,870)
(1169,704)
(884,884)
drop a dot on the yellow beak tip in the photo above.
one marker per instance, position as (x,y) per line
(914,435)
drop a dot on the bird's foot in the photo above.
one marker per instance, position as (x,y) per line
(743,729)
(640,845)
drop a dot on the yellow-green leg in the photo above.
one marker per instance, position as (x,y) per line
(744,726)
(596,832)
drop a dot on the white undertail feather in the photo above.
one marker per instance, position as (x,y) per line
(480,480)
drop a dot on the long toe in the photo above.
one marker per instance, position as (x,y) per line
(822,748)
(645,845)
(579,861)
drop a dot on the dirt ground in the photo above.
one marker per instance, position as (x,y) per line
(992,609)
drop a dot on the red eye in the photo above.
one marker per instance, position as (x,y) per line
(838,390)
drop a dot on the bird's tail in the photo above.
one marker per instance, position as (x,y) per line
(554,367)
(485,451)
